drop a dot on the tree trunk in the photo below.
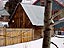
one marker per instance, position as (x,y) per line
(47,23)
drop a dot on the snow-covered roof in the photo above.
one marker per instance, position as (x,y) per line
(4,12)
(62,18)
(35,14)
(4,2)
(3,23)
(28,1)
(61,2)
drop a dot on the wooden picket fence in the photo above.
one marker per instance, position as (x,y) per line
(10,36)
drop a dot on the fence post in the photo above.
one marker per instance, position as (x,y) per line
(33,33)
(5,35)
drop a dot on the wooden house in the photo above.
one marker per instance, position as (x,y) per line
(56,7)
(60,26)
(28,16)
(4,16)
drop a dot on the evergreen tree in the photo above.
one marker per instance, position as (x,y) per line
(11,4)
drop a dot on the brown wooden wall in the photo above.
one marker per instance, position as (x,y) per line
(20,19)
(38,32)
(4,18)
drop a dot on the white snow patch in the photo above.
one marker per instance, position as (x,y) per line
(38,44)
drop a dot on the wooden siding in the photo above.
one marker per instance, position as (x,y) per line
(4,18)
(20,19)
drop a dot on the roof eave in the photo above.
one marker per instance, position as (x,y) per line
(59,3)
(54,0)
(36,2)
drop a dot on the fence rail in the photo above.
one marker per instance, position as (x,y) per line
(10,36)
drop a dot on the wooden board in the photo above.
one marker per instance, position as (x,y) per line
(13,36)
(2,31)
(27,35)
(2,41)
(19,39)
(9,41)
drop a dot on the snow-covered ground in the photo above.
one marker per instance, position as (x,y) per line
(28,1)
(38,44)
